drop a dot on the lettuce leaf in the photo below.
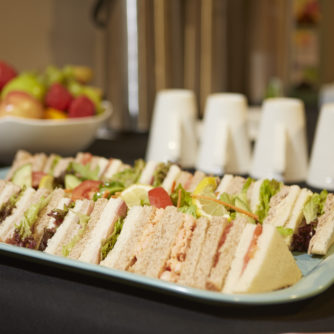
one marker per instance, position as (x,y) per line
(109,187)
(268,189)
(247,184)
(284,231)
(54,164)
(186,201)
(129,176)
(83,221)
(109,243)
(84,171)
(239,200)
(314,207)
(160,173)
(30,216)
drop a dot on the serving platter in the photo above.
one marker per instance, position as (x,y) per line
(318,275)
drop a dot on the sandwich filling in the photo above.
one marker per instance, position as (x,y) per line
(252,248)
(313,209)
(109,243)
(8,207)
(57,217)
(221,243)
(22,236)
(179,250)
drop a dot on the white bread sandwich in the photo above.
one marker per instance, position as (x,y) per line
(321,223)
(259,194)
(262,262)
(147,175)
(71,230)
(196,179)
(169,182)
(51,163)
(17,228)
(55,218)
(230,184)
(114,166)
(103,228)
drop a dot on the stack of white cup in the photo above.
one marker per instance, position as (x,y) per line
(280,149)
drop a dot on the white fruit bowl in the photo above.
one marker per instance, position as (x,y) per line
(64,137)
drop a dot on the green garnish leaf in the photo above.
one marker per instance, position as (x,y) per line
(83,221)
(110,242)
(30,216)
(268,189)
(239,200)
(108,189)
(186,201)
(84,171)
(54,164)
(129,176)
(284,231)
(314,207)
(247,184)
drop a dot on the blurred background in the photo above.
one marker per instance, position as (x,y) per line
(137,47)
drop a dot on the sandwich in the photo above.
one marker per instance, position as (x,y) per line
(211,251)
(51,163)
(94,162)
(54,219)
(9,195)
(230,184)
(262,262)
(71,230)
(137,229)
(147,175)
(323,237)
(17,228)
(103,228)
(157,238)
(169,181)
(195,180)
(114,166)
(315,233)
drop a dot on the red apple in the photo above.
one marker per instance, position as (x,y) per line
(21,104)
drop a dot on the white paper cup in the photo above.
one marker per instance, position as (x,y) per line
(173,134)
(224,143)
(321,170)
(281,148)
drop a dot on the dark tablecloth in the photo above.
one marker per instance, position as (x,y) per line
(37,298)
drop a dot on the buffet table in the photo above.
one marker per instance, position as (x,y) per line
(42,298)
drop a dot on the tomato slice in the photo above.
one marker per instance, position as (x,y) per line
(85,189)
(159,198)
(36,178)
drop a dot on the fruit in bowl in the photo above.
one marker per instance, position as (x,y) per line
(21,104)
(56,93)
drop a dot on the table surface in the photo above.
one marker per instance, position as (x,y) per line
(38,298)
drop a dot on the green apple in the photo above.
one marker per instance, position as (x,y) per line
(95,95)
(53,74)
(75,88)
(28,83)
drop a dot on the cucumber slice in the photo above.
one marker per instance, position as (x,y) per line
(71,181)
(23,176)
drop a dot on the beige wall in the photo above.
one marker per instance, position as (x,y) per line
(36,33)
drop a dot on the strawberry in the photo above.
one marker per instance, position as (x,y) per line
(58,97)
(7,73)
(82,106)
